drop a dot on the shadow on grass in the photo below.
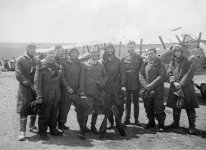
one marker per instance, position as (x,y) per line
(71,137)
(184,131)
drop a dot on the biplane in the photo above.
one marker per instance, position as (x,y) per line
(193,48)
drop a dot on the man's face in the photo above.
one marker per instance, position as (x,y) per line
(177,53)
(110,50)
(50,57)
(94,54)
(74,54)
(131,48)
(31,50)
(59,52)
(151,55)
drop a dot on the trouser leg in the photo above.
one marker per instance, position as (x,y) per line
(64,107)
(44,114)
(128,106)
(79,115)
(148,104)
(135,95)
(32,121)
(176,116)
(159,108)
(110,118)
(23,122)
(83,124)
(120,111)
(119,124)
(53,118)
(94,119)
(103,127)
(191,114)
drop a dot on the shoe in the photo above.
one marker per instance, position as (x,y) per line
(172,126)
(161,128)
(87,129)
(22,136)
(121,130)
(44,136)
(150,125)
(204,135)
(65,127)
(192,131)
(62,127)
(94,130)
(126,122)
(109,128)
(34,130)
(56,133)
(137,123)
(82,134)
(101,135)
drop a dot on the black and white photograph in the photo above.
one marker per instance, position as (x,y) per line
(102,74)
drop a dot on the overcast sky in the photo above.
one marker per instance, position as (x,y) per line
(77,21)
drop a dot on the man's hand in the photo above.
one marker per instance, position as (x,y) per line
(70,90)
(39,101)
(34,103)
(123,89)
(32,87)
(148,88)
(83,97)
(177,85)
(81,93)
(26,83)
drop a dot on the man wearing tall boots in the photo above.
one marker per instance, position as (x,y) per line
(72,76)
(65,103)
(25,70)
(114,87)
(152,77)
(181,72)
(132,64)
(93,79)
(47,81)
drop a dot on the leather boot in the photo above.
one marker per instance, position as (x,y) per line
(150,124)
(22,135)
(111,121)
(192,119)
(44,136)
(32,127)
(83,128)
(103,127)
(93,123)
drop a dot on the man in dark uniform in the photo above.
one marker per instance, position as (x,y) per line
(72,76)
(25,70)
(48,79)
(181,72)
(65,104)
(92,82)
(132,65)
(115,87)
(152,77)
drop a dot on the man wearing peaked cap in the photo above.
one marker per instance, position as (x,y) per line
(132,64)
(93,78)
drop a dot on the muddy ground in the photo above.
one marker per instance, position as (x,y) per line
(137,137)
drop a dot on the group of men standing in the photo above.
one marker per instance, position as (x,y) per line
(99,86)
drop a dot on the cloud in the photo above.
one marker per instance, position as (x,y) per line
(89,20)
